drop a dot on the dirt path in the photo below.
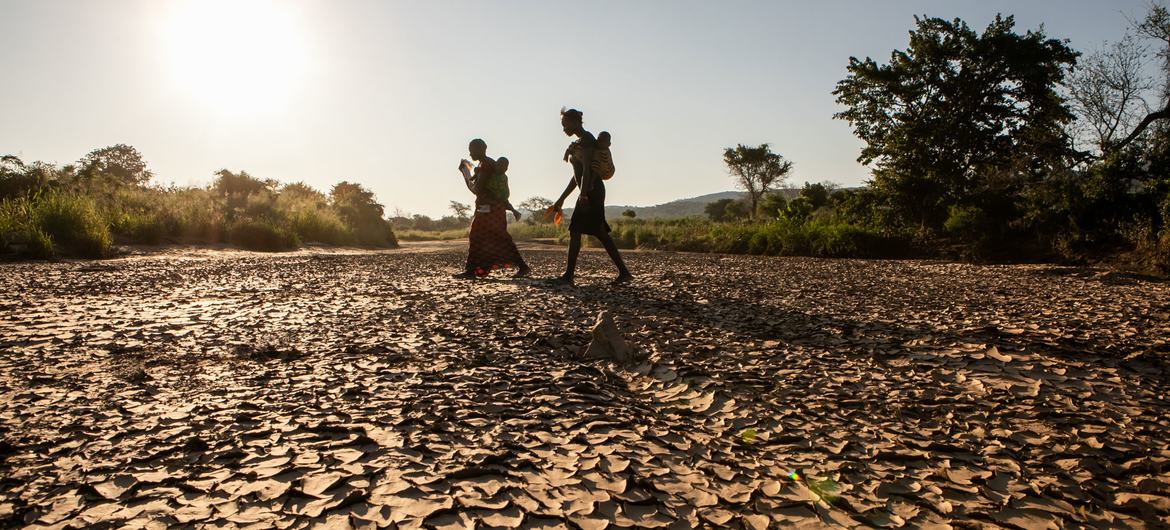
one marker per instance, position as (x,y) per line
(231,389)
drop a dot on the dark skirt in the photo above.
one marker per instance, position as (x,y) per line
(491,246)
(589,218)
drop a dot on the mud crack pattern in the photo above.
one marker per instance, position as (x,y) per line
(240,390)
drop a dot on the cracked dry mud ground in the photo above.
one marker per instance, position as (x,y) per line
(231,389)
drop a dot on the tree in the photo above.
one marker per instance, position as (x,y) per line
(18,178)
(357,207)
(756,170)
(1156,26)
(799,209)
(11,176)
(354,202)
(629,214)
(298,197)
(724,210)
(302,191)
(773,205)
(1107,90)
(244,195)
(461,210)
(956,106)
(535,206)
(120,163)
(817,193)
(10,165)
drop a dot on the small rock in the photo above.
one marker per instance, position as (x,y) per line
(607,341)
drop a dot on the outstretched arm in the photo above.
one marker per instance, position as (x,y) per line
(568,189)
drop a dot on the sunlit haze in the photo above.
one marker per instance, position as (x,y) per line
(235,58)
(389,93)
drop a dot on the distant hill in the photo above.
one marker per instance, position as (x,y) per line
(678,209)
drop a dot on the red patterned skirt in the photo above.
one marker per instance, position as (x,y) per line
(491,246)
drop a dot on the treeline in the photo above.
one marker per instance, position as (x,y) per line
(83,209)
(806,225)
(992,146)
(1014,145)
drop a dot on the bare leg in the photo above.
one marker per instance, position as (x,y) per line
(574,250)
(611,248)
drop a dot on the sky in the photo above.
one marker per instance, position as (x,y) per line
(388,94)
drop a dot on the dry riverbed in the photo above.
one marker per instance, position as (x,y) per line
(229,389)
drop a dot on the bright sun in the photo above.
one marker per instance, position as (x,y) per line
(237,57)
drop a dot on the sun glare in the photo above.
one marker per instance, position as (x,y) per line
(237,57)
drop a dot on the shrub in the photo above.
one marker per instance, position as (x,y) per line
(72,220)
(533,231)
(320,226)
(432,235)
(145,228)
(375,233)
(38,244)
(14,221)
(965,221)
(194,216)
(42,205)
(262,234)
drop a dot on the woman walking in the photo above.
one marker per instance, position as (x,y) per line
(589,212)
(490,245)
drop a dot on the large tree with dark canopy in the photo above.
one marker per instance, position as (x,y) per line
(957,113)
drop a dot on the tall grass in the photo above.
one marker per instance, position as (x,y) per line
(50,222)
(87,219)
(262,234)
(532,232)
(432,235)
(783,237)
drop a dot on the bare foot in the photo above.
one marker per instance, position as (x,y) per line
(563,281)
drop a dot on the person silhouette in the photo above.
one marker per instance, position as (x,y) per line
(589,211)
(490,246)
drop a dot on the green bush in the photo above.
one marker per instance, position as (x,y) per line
(432,235)
(38,244)
(44,208)
(140,227)
(965,221)
(375,234)
(645,239)
(195,216)
(73,220)
(530,232)
(262,234)
(41,221)
(320,226)
(626,237)
(14,221)
(840,240)
(782,237)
